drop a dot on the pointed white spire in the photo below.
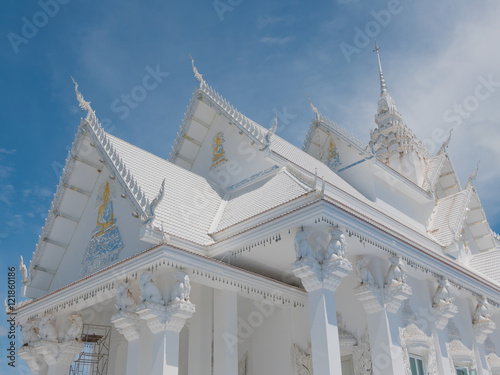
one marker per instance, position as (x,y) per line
(383,86)
(81,102)
(314,109)
(445,144)
(197,74)
(473,176)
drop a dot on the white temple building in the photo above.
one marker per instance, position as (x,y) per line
(243,254)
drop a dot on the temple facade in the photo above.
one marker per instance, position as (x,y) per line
(244,255)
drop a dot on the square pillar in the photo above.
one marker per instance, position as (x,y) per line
(387,358)
(320,282)
(166,323)
(225,332)
(128,324)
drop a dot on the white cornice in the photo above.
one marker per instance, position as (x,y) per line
(207,271)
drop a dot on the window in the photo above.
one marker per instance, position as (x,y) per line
(465,371)
(417,366)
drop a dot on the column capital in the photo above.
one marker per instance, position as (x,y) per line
(327,275)
(482,329)
(171,317)
(375,299)
(127,323)
(32,357)
(442,313)
(54,353)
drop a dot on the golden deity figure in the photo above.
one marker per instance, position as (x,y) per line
(218,149)
(105,217)
(331,151)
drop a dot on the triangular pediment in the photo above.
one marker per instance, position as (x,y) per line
(219,143)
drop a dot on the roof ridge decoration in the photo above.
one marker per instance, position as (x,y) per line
(309,181)
(434,171)
(152,207)
(445,144)
(462,213)
(252,130)
(327,123)
(128,182)
(473,176)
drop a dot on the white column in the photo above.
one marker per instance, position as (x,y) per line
(128,324)
(324,332)
(225,332)
(443,363)
(165,322)
(320,282)
(165,353)
(387,358)
(200,331)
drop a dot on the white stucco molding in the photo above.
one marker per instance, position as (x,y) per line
(32,357)
(315,276)
(207,271)
(127,323)
(460,355)
(482,329)
(415,341)
(171,317)
(494,363)
(54,353)
(443,313)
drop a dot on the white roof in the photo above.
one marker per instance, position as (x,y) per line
(487,264)
(259,197)
(189,203)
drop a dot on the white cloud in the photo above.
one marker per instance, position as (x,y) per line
(265,21)
(276,40)
(8,152)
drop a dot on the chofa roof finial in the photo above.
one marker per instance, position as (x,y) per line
(314,109)
(197,74)
(84,105)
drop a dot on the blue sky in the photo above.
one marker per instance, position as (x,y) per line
(263,56)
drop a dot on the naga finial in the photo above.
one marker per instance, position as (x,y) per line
(473,176)
(197,74)
(84,105)
(314,109)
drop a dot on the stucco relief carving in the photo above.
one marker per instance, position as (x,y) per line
(482,311)
(415,341)
(182,288)
(362,357)
(337,246)
(460,356)
(303,249)
(323,268)
(125,300)
(303,360)
(242,364)
(493,363)
(46,329)
(160,316)
(364,275)
(149,290)
(442,304)
(397,272)
(394,292)
(482,323)
(30,333)
(75,328)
